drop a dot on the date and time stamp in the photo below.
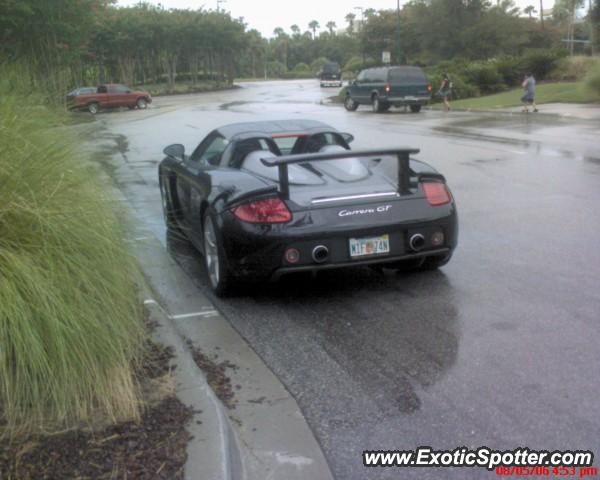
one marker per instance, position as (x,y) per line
(544,471)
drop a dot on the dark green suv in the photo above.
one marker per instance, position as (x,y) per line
(383,87)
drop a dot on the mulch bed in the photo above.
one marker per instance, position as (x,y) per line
(216,375)
(154,448)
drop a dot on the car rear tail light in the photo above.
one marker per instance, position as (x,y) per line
(437,193)
(429,88)
(270,210)
(388,87)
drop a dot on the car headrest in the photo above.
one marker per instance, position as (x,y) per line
(332,148)
(253,158)
(296,174)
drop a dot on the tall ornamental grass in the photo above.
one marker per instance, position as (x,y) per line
(70,323)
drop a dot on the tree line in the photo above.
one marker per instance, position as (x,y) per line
(77,42)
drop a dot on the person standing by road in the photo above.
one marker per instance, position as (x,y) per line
(445,91)
(529,97)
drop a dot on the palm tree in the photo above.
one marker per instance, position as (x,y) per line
(369,12)
(330,25)
(350,19)
(529,10)
(295,30)
(313,26)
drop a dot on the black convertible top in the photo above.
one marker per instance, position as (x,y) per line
(273,127)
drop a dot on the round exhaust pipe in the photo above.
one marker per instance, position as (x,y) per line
(320,253)
(417,242)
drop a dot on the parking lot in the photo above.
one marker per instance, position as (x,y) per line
(498,348)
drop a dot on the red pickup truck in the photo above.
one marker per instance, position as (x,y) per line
(110,95)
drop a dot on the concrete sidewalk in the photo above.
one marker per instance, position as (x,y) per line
(581,111)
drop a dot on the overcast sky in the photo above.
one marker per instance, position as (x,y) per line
(266,15)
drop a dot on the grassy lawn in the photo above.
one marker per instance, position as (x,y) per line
(562,92)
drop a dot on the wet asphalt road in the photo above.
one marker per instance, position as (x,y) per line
(501,347)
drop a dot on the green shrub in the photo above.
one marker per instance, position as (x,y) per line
(540,62)
(276,69)
(511,69)
(592,80)
(356,64)
(460,87)
(302,68)
(485,77)
(70,327)
(298,75)
(317,65)
(573,68)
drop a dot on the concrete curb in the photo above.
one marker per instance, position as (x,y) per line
(213,449)
(259,439)
(214,452)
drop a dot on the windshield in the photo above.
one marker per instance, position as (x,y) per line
(331,68)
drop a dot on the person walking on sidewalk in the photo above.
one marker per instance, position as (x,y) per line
(445,91)
(529,97)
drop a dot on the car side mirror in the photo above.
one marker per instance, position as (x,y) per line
(176,151)
(348,137)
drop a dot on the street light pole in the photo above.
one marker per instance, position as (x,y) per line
(362,26)
(592,26)
(399,41)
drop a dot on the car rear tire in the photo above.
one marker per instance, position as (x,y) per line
(141,103)
(415,108)
(169,211)
(377,105)
(219,277)
(350,104)
(93,108)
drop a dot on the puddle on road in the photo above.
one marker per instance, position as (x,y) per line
(594,160)
(525,123)
(273,106)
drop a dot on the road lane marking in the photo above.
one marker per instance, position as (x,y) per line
(207,312)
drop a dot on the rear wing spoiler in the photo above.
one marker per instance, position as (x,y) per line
(403,155)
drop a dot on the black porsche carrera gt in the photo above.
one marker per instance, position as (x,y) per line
(263,199)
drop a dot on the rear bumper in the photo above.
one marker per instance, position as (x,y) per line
(258,251)
(409,100)
(356,263)
(331,83)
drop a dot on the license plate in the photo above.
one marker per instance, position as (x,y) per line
(362,247)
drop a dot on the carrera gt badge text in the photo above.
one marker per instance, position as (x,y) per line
(364,211)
